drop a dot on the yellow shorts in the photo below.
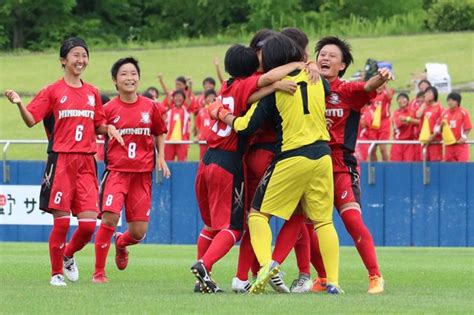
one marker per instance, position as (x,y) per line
(293,180)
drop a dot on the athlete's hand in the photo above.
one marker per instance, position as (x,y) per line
(160,76)
(112,132)
(386,74)
(216,61)
(217,110)
(162,166)
(13,96)
(313,72)
(285,86)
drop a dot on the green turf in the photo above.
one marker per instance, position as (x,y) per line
(418,280)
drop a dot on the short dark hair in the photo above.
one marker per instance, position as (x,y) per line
(257,41)
(179,92)
(182,79)
(279,50)
(344,46)
(240,61)
(424,81)
(116,66)
(297,35)
(154,89)
(434,90)
(148,95)
(209,92)
(104,98)
(70,43)
(405,95)
(455,97)
(209,80)
(420,94)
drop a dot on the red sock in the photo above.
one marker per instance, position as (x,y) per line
(287,237)
(255,266)
(363,241)
(126,240)
(81,236)
(221,244)
(302,250)
(316,258)
(57,243)
(204,241)
(246,257)
(102,245)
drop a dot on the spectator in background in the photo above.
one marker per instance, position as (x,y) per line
(99,156)
(404,122)
(366,116)
(178,120)
(458,121)
(429,113)
(153,92)
(149,94)
(380,127)
(414,106)
(203,121)
(186,86)
(207,84)
(419,99)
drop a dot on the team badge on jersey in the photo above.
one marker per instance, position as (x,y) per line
(91,100)
(334,98)
(145,118)
(63,99)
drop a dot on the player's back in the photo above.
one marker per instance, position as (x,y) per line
(301,117)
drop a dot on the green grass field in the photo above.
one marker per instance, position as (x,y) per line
(418,280)
(28,72)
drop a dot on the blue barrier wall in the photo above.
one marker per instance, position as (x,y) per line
(398,209)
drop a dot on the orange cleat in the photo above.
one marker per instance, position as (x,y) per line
(121,254)
(319,285)
(376,284)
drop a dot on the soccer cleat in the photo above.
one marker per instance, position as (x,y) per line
(269,270)
(319,285)
(58,281)
(121,254)
(70,269)
(333,289)
(99,277)
(197,287)
(203,276)
(301,285)
(277,283)
(376,285)
(240,286)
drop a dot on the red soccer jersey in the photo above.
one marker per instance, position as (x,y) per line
(175,117)
(343,107)
(433,114)
(70,116)
(401,130)
(203,123)
(383,99)
(458,120)
(366,116)
(234,95)
(137,123)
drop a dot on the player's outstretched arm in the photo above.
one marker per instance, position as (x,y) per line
(112,132)
(161,163)
(282,85)
(279,73)
(220,75)
(14,98)
(163,85)
(376,81)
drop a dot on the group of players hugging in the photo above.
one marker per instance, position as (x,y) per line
(281,143)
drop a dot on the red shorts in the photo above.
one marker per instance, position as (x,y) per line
(403,152)
(179,151)
(456,153)
(220,190)
(346,179)
(256,162)
(434,153)
(129,189)
(70,183)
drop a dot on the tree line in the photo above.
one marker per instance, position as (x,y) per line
(41,24)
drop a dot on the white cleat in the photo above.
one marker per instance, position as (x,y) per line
(277,283)
(239,286)
(301,285)
(70,269)
(58,281)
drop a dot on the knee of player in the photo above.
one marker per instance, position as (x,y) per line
(138,230)
(110,219)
